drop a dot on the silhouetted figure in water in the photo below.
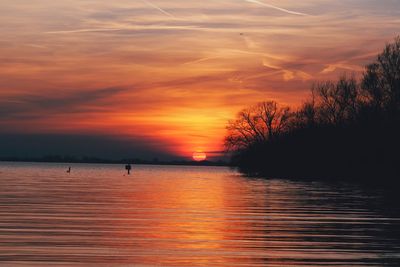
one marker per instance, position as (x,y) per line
(69,170)
(128,167)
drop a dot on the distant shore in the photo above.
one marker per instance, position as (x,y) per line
(95,160)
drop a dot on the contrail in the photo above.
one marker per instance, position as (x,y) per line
(276,7)
(158,8)
(83,30)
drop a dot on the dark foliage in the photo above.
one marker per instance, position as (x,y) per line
(348,129)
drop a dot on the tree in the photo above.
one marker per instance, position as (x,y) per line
(346,129)
(306,116)
(337,102)
(381,79)
(257,124)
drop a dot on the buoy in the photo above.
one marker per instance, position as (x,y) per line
(128,167)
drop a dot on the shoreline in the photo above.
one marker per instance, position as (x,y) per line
(116,162)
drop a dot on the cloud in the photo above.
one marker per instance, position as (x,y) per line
(333,67)
(250,43)
(84,30)
(158,8)
(78,145)
(277,8)
(75,101)
(124,29)
(200,60)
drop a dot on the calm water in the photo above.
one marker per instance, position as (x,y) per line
(188,216)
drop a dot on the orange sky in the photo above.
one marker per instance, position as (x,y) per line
(170,74)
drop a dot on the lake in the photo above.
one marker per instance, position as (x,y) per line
(189,216)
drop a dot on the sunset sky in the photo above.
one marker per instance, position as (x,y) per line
(157,78)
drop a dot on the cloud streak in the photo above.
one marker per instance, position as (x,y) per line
(277,8)
(158,8)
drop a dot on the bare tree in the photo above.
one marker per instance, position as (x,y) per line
(381,79)
(275,118)
(306,116)
(257,124)
(244,130)
(337,101)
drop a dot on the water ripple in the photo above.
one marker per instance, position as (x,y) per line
(188,216)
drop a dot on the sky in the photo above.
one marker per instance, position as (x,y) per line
(161,79)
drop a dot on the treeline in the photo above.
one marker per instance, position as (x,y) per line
(347,129)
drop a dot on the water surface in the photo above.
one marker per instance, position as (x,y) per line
(188,216)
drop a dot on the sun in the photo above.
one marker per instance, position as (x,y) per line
(199,156)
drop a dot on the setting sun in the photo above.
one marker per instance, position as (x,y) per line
(199,156)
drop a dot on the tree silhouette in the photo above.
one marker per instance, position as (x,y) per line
(346,129)
(256,125)
(381,79)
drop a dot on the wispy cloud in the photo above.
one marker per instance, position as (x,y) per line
(277,8)
(158,8)
(130,28)
(200,60)
(344,66)
(38,104)
(84,30)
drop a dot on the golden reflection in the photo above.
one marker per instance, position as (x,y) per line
(192,217)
